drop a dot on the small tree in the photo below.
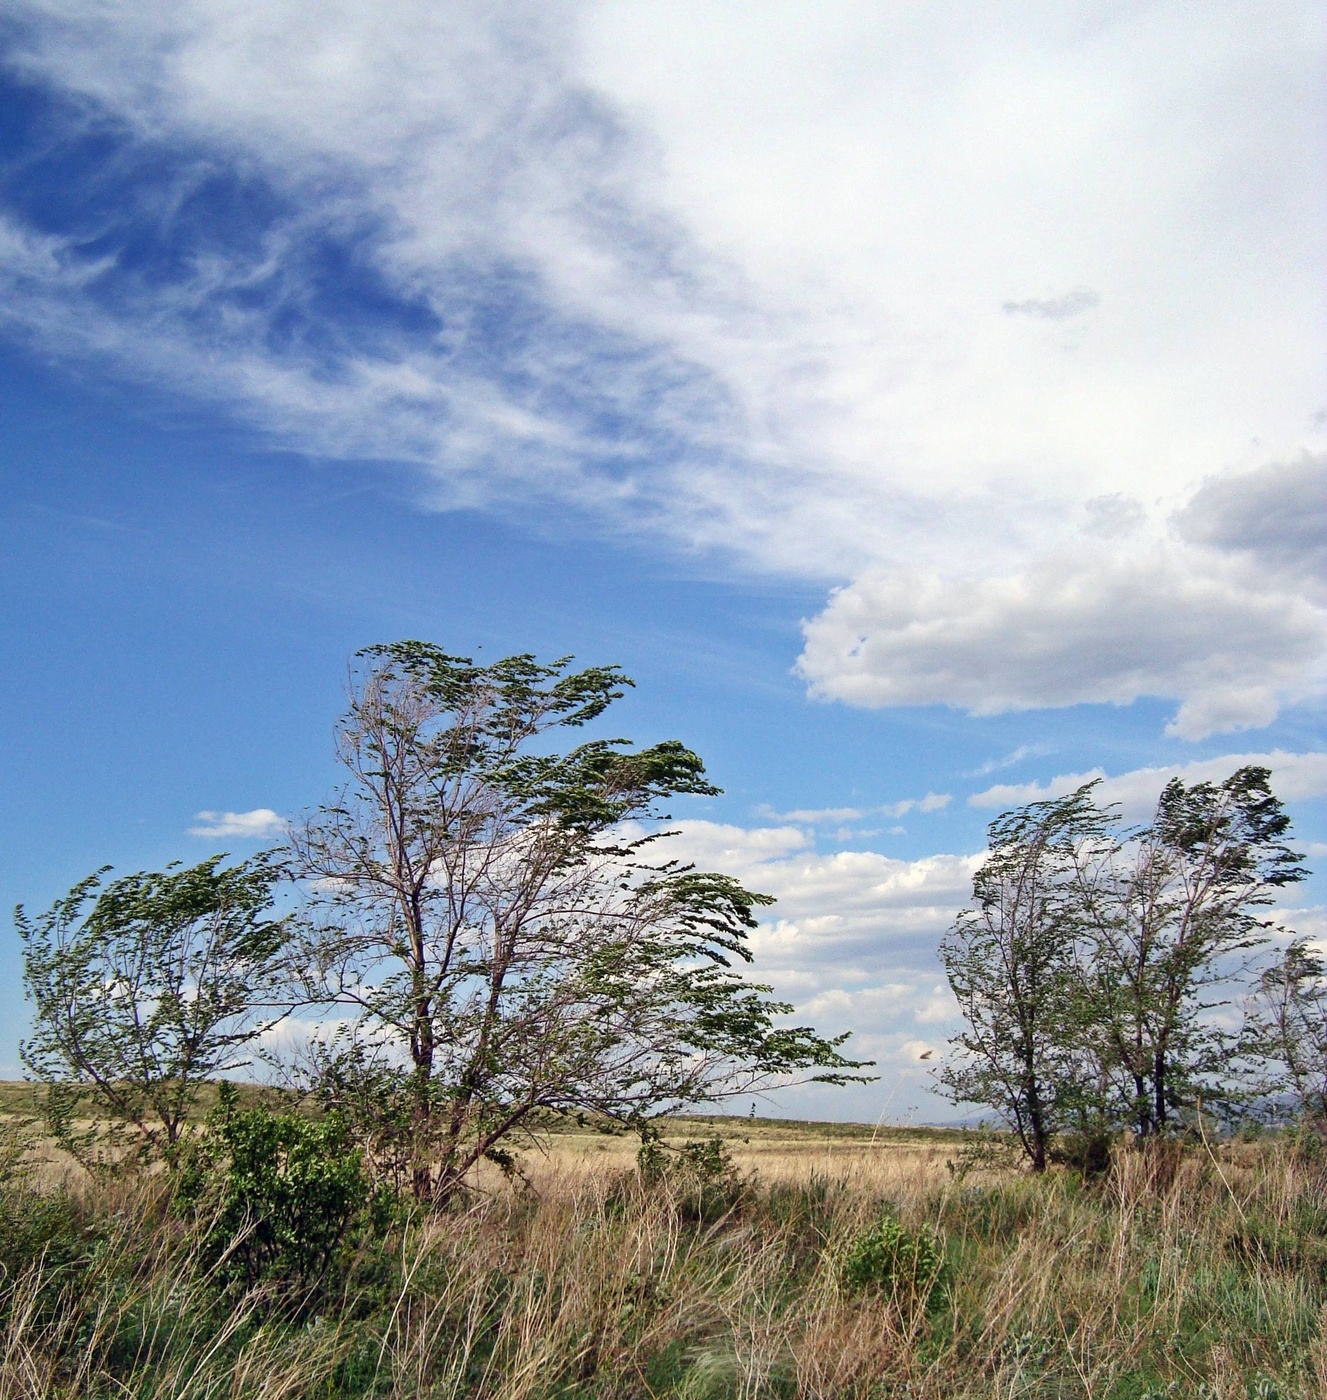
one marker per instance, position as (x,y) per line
(157,987)
(1168,912)
(479,903)
(1288,1031)
(1011,966)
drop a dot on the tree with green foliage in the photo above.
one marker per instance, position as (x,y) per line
(146,987)
(1011,965)
(1093,970)
(485,911)
(1287,1031)
(1171,914)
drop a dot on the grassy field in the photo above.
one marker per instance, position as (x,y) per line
(1199,1271)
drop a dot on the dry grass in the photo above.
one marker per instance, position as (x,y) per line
(1195,1273)
(771,1152)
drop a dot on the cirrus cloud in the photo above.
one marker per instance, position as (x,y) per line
(845,292)
(811,287)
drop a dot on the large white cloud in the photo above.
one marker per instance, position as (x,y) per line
(1095,625)
(847,290)
(864,261)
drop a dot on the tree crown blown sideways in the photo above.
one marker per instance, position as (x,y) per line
(502,948)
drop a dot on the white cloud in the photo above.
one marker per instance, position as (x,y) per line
(258,825)
(851,943)
(839,914)
(1091,626)
(831,816)
(842,289)
(1011,759)
(806,225)
(814,816)
(1060,308)
(1296,777)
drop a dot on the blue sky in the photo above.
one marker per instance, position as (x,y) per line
(926,411)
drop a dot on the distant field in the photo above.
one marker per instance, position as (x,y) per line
(18,1097)
(772,1149)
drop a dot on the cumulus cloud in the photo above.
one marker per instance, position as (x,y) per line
(1086,627)
(843,918)
(1277,514)
(851,942)
(1296,777)
(257,825)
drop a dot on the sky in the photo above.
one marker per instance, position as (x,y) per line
(924,403)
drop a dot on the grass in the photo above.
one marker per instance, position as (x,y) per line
(1200,1272)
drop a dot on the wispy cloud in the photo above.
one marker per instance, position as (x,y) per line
(1060,308)
(813,816)
(258,825)
(838,816)
(733,278)
(1009,760)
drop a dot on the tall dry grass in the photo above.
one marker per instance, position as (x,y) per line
(1200,1272)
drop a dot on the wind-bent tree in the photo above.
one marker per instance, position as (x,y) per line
(1011,966)
(162,983)
(1288,1033)
(1168,912)
(481,904)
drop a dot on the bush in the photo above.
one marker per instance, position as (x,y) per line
(702,1175)
(907,1265)
(1086,1152)
(278,1193)
(50,1230)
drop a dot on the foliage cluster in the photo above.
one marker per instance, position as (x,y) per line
(701,1174)
(908,1266)
(275,1196)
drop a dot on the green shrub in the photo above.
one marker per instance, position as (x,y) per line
(50,1230)
(908,1265)
(276,1194)
(702,1175)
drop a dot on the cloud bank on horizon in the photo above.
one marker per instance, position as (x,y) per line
(1009,325)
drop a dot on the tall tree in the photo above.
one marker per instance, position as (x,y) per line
(1011,965)
(1171,912)
(483,906)
(165,981)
